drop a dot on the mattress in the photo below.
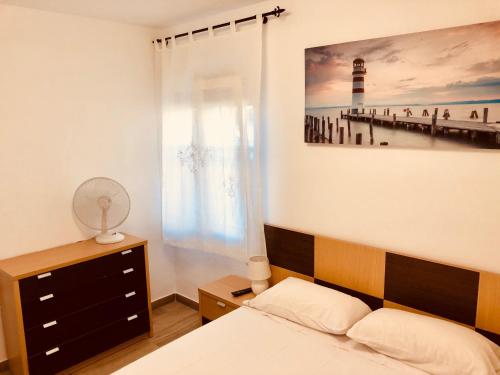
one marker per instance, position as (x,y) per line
(247,341)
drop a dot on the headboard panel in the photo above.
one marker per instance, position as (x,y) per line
(488,302)
(290,250)
(374,302)
(382,278)
(357,267)
(441,290)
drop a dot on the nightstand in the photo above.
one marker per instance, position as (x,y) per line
(216,298)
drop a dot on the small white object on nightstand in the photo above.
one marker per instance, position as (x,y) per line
(258,272)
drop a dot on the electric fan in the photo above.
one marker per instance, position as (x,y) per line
(102,204)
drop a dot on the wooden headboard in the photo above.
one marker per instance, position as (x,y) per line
(386,279)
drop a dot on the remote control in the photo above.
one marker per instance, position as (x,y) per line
(238,293)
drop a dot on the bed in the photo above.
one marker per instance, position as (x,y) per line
(461,305)
(248,341)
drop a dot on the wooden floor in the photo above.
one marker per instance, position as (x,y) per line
(170,321)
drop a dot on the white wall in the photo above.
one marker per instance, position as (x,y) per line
(433,204)
(76,101)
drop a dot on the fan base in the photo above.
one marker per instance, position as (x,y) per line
(107,238)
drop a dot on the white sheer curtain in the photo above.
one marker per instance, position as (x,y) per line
(210,154)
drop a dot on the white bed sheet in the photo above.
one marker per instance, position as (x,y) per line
(248,341)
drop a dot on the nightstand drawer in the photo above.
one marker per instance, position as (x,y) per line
(212,308)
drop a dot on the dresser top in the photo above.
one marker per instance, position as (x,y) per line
(31,264)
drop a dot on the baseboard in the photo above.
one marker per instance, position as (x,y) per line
(187,301)
(163,301)
(171,298)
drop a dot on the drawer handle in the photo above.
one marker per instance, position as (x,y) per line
(48,296)
(131,294)
(221,304)
(132,317)
(44,275)
(126,252)
(128,270)
(50,324)
(52,351)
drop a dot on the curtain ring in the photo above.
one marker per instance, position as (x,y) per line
(157,44)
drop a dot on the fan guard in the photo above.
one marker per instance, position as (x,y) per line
(101,203)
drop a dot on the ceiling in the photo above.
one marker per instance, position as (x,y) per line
(153,13)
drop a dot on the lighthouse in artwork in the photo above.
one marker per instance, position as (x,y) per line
(358,85)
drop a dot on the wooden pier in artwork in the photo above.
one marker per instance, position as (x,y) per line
(427,124)
(316,128)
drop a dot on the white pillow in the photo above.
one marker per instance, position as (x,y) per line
(430,344)
(311,305)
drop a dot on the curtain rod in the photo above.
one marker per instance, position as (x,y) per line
(275,12)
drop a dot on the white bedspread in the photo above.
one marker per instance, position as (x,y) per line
(248,341)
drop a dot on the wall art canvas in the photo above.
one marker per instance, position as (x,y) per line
(437,89)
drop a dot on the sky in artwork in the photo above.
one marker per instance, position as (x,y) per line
(448,65)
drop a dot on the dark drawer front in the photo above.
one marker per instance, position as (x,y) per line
(70,353)
(55,305)
(44,337)
(78,276)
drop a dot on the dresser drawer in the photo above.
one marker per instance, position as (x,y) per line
(52,333)
(212,308)
(79,276)
(55,305)
(70,353)
(122,259)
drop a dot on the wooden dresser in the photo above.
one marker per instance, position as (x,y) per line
(64,305)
